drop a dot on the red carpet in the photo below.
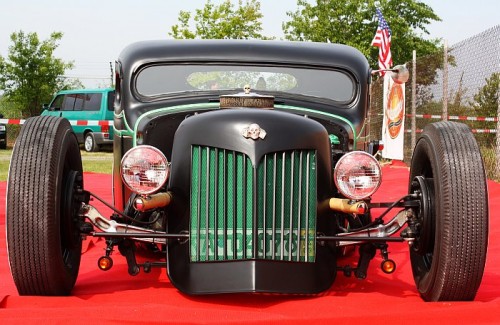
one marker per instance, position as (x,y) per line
(116,297)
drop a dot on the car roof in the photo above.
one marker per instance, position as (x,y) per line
(283,52)
(259,52)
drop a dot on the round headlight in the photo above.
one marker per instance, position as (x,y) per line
(144,169)
(357,175)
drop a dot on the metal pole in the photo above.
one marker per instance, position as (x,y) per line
(112,74)
(413,102)
(445,81)
(497,151)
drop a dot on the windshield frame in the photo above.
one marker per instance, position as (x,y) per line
(308,77)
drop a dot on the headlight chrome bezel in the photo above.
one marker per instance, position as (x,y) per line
(357,175)
(144,169)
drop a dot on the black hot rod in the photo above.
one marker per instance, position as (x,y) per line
(245,167)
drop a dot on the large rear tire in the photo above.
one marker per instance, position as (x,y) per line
(43,237)
(447,173)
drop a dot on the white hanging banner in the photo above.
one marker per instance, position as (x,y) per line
(393,128)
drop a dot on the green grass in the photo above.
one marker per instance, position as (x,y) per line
(96,162)
(490,161)
(4,163)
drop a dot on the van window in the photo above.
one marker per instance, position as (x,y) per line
(111,101)
(92,102)
(69,102)
(57,103)
(79,101)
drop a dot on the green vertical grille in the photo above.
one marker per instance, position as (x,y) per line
(286,183)
(221,205)
(224,186)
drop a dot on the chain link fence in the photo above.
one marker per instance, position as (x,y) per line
(462,84)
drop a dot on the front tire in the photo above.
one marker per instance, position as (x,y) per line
(43,238)
(449,253)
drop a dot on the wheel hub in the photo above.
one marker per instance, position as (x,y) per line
(70,234)
(424,221)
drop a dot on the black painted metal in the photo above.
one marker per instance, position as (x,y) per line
(129,106)
(311,55)
(221,129)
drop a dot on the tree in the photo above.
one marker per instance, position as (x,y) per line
(352,22)
(30,75)
(222,21)
(486,103)
(486,99)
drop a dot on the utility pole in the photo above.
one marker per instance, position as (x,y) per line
(445,81)
(112,74)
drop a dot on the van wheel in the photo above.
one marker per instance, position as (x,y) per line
(451,224)
(89,143)
(43,201)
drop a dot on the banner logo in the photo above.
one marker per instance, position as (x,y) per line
(395,110)
(394,119)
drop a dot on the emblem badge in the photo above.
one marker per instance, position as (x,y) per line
(254,132)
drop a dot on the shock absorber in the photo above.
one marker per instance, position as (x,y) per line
(366,254)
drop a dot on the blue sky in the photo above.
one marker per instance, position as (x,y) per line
(95,31)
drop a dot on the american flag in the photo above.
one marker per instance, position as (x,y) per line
(382,40)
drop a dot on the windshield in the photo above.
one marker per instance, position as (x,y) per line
(160,80)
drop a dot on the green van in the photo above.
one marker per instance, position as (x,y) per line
(90,112)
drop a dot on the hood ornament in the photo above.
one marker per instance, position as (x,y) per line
(254,132)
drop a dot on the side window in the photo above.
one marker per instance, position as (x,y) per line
(57,103)
(111,101)
(79,100)
(92,102)
(68,102)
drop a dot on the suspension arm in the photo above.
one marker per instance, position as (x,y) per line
(378,233)
(111,228)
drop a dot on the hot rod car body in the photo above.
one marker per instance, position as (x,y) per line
(246,166)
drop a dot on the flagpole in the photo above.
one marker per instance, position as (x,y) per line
(413,102)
